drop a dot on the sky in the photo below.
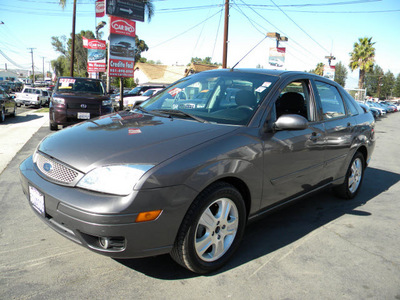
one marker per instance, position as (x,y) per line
(180,30)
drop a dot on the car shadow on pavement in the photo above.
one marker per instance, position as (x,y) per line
(23,118)
(279,229)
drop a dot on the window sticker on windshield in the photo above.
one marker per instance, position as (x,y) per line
(65,83)
(175,92)
(263,87)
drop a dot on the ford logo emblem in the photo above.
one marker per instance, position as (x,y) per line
(47,167)
(83,106)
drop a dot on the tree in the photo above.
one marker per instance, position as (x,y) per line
(372,81)
(64,46)
(204,61)
(396,90)
(388,83)
(340,73)
(362,57)
(319,69)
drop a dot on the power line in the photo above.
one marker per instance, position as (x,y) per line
(298,26)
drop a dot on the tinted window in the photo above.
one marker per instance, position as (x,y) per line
(331,101)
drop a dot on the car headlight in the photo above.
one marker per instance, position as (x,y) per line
(59,100)
(118,179)
(106,102)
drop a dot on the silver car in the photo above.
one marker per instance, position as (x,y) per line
(186,171)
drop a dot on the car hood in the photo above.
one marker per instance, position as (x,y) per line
(127,138)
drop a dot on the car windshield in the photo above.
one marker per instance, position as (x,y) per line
(216,97)
(80,85)
(148,93)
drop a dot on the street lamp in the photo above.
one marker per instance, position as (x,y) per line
(98,27)
(278,37)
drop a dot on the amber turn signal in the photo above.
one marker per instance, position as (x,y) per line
(148,216)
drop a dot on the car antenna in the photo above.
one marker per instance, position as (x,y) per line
(248,53)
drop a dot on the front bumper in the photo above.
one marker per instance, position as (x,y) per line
(85,217)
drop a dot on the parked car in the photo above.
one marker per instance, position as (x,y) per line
(31,97)
(367,109)
(131,101)
(77,99)
(8,106)
(183,174)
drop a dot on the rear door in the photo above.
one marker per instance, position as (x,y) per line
(293,159)
(340,125)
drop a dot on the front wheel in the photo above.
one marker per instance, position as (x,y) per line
(211,230)
(2,115)
(354,177)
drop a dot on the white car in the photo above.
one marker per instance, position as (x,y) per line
(130,102)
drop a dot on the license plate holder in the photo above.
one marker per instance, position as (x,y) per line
(83,115)
(36,198)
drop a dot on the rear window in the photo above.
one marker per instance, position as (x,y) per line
(79,86)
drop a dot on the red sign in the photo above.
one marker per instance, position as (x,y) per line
(96,55)
(100,8)
(94,44)
(122,26)
(121,68)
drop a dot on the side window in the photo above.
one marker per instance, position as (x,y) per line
(352,109)
(294,99)
(331,101)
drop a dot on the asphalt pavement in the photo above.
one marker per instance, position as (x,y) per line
(320,248)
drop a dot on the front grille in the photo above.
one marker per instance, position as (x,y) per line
(90,106)
(54,170)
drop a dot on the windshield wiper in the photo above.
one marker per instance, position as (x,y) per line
(152,112)
(181,113)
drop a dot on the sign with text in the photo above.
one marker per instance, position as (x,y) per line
(277,57)
(122,47)
(122,26)
(129,9)
(100,8)
(329,72)
(96,55)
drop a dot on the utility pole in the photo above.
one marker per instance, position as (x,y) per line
(73,40)
(43,66)
(33,68)
(225,46)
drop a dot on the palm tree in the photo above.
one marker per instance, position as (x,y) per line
(362,57)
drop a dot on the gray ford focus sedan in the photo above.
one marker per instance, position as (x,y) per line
(184,172)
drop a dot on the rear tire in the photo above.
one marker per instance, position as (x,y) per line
(354,176)
(212,229)
(53,127)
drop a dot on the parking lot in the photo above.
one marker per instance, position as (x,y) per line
(319,248)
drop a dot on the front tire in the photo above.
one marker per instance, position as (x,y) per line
(2,115)
(211,230)
(354,176)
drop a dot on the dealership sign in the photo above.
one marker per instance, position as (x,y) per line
(96,55)
(122,47)
(100,8)
(122,26)
(277,57)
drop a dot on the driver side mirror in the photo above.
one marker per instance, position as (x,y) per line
(291,122)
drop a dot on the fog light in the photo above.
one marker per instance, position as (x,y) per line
(104,242)
(113,243)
